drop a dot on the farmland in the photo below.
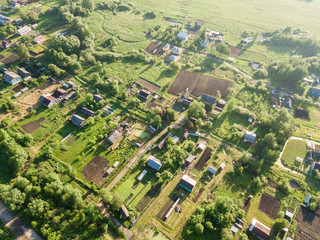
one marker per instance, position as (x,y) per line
(295,148)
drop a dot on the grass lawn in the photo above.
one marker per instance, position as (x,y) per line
(295,148)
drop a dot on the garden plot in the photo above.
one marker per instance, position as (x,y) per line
(204,158)
(303,114)
(166,208)
(294,148)
(154,48)
(10,59)
(308,225)
(148,85)
(32,126)
(235,52)
(147,198)
(199,84)
(96,169)
(269,205)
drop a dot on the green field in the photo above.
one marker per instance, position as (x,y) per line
(295,148)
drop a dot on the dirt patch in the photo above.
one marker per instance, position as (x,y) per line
(95,170)
(302,114)
(1,57)
(18,87)
(167,207)
(198,33)
(308,225)
(147,198)
(294,185)
(154,48)
(32,126)
(204,158)
(196,198)
(246,204)
(201,23)
(135,186)
(269,205)
(10,59)
(235,52)
(148,85)
(151,105)
(32,1)
(199,84)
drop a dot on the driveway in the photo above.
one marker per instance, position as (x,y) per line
(17,225)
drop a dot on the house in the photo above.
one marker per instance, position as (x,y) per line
(39,39)
(114,136)
(23,31)
(298,159)
(205,43)
(11,77)
(124,212)
(202,146)
(306,201)
(190,158)
(59,93)
(239,223)
(176,50)
(108,110)
(78,121)
(230,59)
(288,103)
(222,166)
(187,183)
(260,230)
(142,175)
(173,58)
(185,98)
(250,137)
(14,5)
(208,99)
(154,163)
(22,72)
(289,215)
(151,129)
(211,170)
(314,91)
(4,20)
(69,95)
(97,98)
(221,104)
(48,100)
(182,36)
(19,22)
(5,44)
(52,80)
(234,229)
(144,94)
(185,135)
(166,47)
(163,142)
(87,112)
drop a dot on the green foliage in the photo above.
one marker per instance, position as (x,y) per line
(196,110)
(223,49)
(279,224)
(22,50)
(174,67)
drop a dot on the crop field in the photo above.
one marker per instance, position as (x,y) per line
(32,126)
(199,84)
(163,212)
(96,169)
(148,85)
(154,48)
(308,225)
(269,205)
(295,148)
(11,59)
(303,114)
(148,197)
(203,159)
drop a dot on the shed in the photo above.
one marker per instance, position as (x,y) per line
(87,112)
(307,199)
(39,39)
(78,121)
(97,98)
(176,50)
(142,175)
(154,163)
(187,183)
(259,230)
(185,135)
(166,47)
(298,159)
(22,72)
(211,170)
(289,215)
(250,137)
(109,171)
(116,164)
(175,139)
(114,136)
(288,103)
(58,93)
(190,158)
(173,58)
(222,166)
(314,91)
(144,94)
(124,212)
(205,43)
(234,229)
(11,77)
(202,146)
(151,129)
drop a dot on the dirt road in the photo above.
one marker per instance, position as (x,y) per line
(22,230)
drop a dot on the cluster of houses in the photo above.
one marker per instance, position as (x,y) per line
(14,77)
(278,101)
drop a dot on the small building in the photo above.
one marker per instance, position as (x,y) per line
(131,88)
(239,223)
(288,103)
(19,22)
(202,146)
(250,120)
(185,98)
(208,99)
(11,77)
(250,137)
(22,72)
(260,230)
(189,159)
(230,59)
(78,121)
(5,44)
(298,159)
(124,212)
(151,129)
(166,47)
(176,50)
(222,166)
(59,93)
(154,163)
(185,135)
(289,215)
(4,20)
(145,94)
(306,201)
(182,36)
(142,175)
(52,80)
(39,39)
(173,58)
(314,91)
(124,124)
(109,171)
(221,104)
(87,112)
(23,31)
(113,136)
(48,100)
(211,170)
(187,183)
(97,98)
(175,139)
(234,229)
(163,142)
(116,164)
(205,43)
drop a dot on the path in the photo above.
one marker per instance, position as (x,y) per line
(104,211)
(17,225)
(140,152)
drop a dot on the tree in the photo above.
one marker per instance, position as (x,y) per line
(223,49)
(156,121)
(106,196)
(279,224)
(166,175)
(199,228)
(169,115)
(33,17)
(174,67)
(37,208)
(116,202)
(134,102)
(196,109)
(22,51)
(226,234)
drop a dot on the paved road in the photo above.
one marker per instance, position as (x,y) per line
(140,152)
(22,230)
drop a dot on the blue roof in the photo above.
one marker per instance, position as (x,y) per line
(154,163)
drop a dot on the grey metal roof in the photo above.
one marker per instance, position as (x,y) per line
(208,99)
(250,137)
(77,120)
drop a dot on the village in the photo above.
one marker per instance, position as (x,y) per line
(157,137)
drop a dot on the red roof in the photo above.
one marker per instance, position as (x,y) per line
(40,38)
(59,92)
(48,99)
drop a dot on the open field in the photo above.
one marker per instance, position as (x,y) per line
(199,84)
(269,205)
(96,169)
(295,148)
